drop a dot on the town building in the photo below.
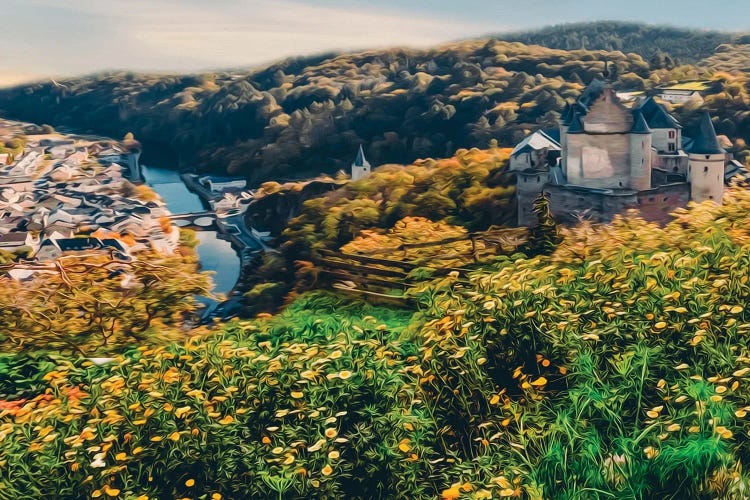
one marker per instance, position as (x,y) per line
(607,157)
(679,93)
(223,184)
(360,167)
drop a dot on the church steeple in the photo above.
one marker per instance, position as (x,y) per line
(360,167)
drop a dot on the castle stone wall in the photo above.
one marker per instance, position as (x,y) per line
(640,161)
(599,161)
(608,116)
(657,204)
(529,186)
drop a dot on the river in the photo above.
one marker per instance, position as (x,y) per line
(216,255)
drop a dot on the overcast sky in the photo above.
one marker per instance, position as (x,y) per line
(39,38)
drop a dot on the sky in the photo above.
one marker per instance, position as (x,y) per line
(44,38)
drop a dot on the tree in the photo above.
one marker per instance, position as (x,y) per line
(90,303)
(545,236)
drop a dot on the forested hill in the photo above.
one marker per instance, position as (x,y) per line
(305,116)
(655,43)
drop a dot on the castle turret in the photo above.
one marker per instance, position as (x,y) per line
(707,161)
(360,167)
(640,154)
(565,119)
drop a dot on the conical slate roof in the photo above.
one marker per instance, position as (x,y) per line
(639,124)
(567,114)
(656,116)
(576,125)
(592,93)
(706,142)
(360,160)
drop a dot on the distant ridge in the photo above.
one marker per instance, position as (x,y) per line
(684,44)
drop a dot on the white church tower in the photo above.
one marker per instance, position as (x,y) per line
(706,167)
(360,167)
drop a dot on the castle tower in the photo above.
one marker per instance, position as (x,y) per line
(707,160)
(360,167)
(565,119)
(640,154)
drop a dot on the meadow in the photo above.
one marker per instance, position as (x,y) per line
(616,366)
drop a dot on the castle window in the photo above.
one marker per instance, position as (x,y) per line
(672,134)
(666,198)
(620,183)
(538,179)
(672,146)
(674,169)
(710,197)
(705,169)
(650,198)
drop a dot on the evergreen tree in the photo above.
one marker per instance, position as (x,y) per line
(545,236)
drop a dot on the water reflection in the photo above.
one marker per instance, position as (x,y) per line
(216,255)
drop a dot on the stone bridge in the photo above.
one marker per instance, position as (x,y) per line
(201,220)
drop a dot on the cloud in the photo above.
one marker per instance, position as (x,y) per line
(190,35)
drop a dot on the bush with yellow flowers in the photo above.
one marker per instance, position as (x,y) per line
(616,367)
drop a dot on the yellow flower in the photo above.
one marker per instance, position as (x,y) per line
(333,455)
(404,445)
(724,432)
(541,381)
(96,493)
(175,436)
(327,470)
(297,394)
(142,497)
(673,428)
(215,496)
(345,374)
(650,452)
(335,354)
(278,450)
(112,492)
(182,411)
(451,493)
(660,325)
(331,433)
(121,456)
(319,444)
(137,450)
(226,420)
(190,483)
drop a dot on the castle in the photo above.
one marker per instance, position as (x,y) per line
(607,157)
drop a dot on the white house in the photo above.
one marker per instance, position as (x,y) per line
(221,184)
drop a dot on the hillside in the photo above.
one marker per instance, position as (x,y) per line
(729,58)
(303,117)
(618,365)
(681,44)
